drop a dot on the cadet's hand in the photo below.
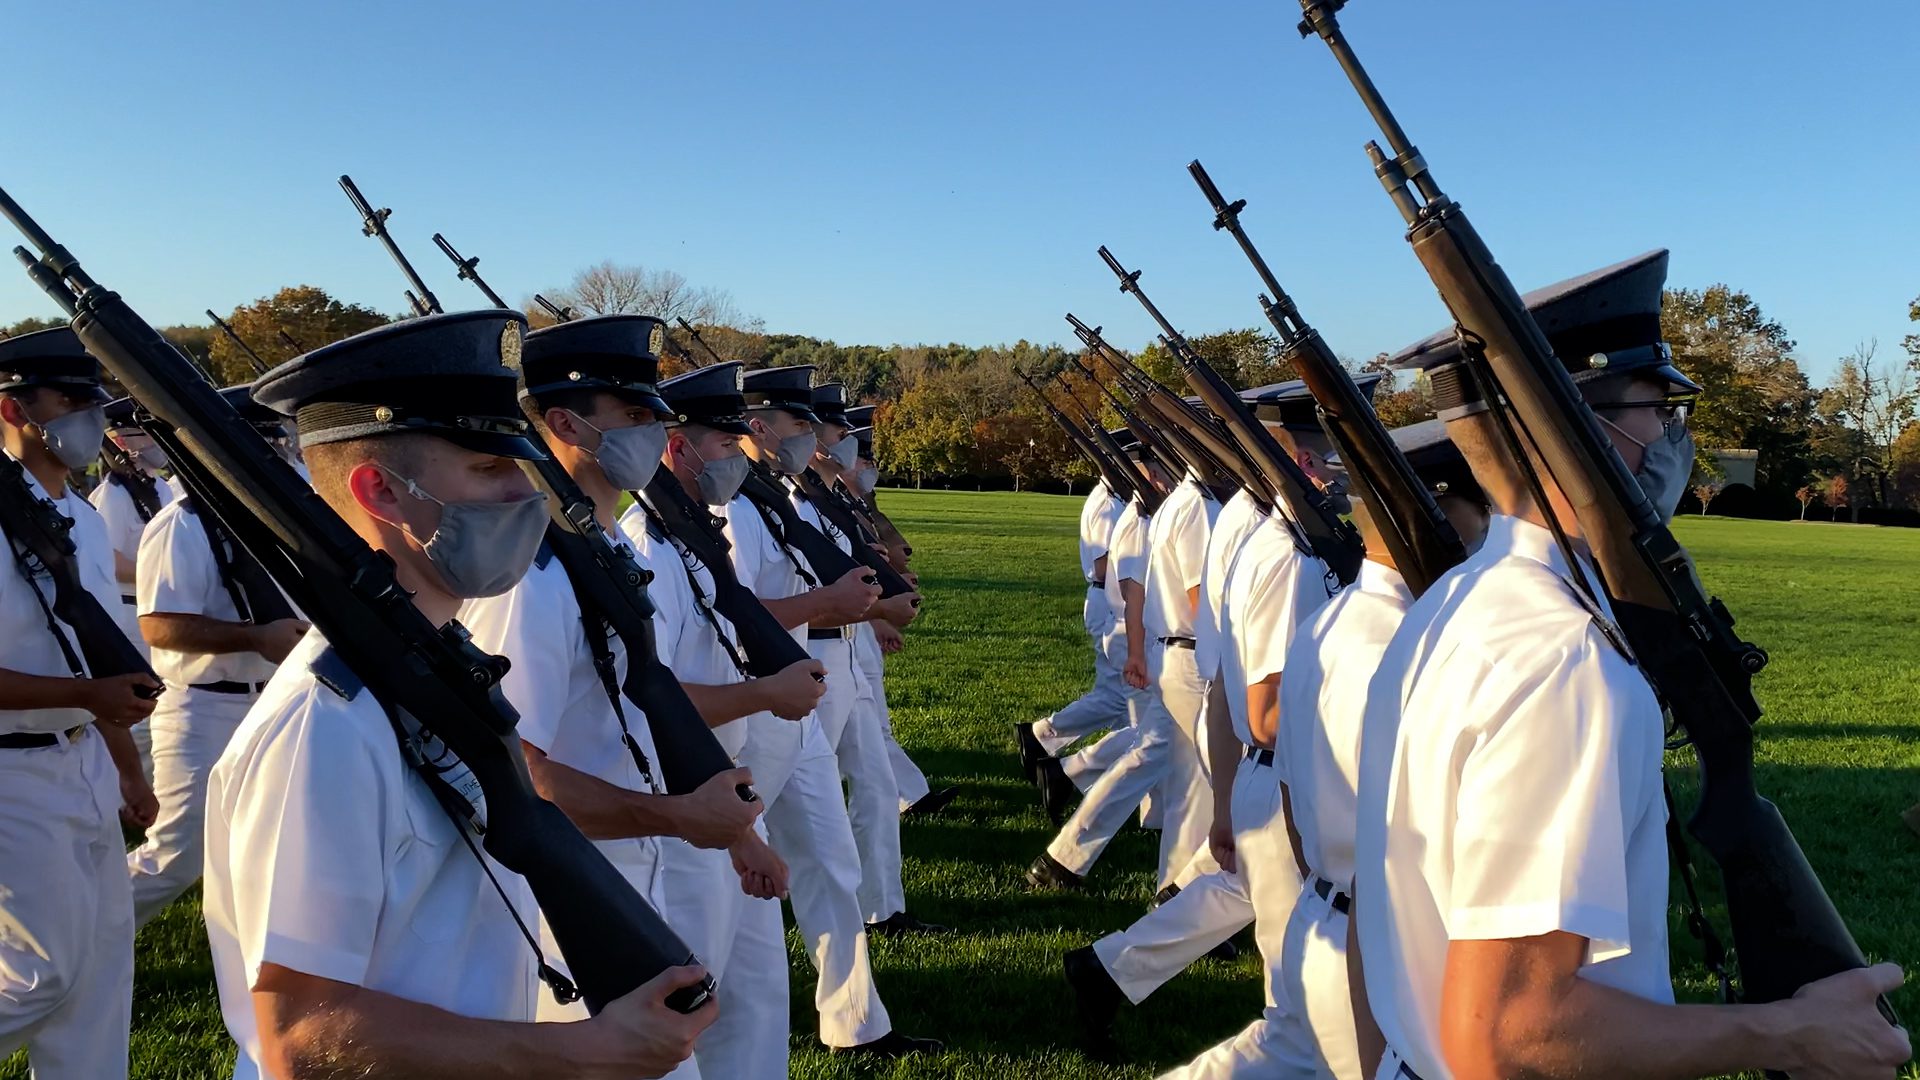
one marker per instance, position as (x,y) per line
(1220,839)
(849,598)
(898,610)
(763,873)
(714,816)
(276,639)
(138,805)
(638,1035)
(794,689)
(1836,1031)
(889,636)
(1135,672)
(112,700)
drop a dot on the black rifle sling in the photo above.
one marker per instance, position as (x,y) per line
(30,568)
(594,627)
(658,528)
(31,564)
(256,599)
(142,488)
(780,535)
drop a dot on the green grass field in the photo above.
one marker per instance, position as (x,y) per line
(1000,641)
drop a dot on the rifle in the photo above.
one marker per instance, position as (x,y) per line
(1786,930)
(467,272)
(259,365)
(560,314)
(1334,541)
(374,224)
(142,487)
(432,681)
(1124,484)
(610,584)
(1168,442)
(1416,533)
(289,340)
(1148,495)
(695,334)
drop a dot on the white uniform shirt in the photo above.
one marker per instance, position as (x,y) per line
(1509,787)
(1097,518)
(26,645)
(177,575)
(1323,701)
(1176,551)
(327,855)
(563,706)
(1270,592)
(684,638)
(1126,558)
(761,562)
(122,514)
(1237,520)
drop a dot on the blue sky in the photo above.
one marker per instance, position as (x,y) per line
(943,172)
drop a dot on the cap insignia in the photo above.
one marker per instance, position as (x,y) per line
(510,346)
(657,339)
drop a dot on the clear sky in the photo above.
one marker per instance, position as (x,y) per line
(921,172)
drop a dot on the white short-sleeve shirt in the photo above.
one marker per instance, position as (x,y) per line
(122,514)
(177,575)
(1323,700)
(1097,518)
(1237,520)
(327,855)
(1126,557)
(26,644)
(1271,590)
(563,705)
(1509,787)
(1176,552)
(761,562)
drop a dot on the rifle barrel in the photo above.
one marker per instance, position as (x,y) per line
(374,224)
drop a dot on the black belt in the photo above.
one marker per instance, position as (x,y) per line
(1341,903)
(1177,642)
(36,740)
(1407,1073)
(227,686)
(129,600)
(838,633)
(1100,583)
(1259,755)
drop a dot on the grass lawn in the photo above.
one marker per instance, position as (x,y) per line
(1001,641)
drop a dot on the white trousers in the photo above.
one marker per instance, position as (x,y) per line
(1313,982)
(907,777)
(807,824)
(1113,797)
(742,942)
(190,730)
(1104,705)
(873,805)
(1087,765)
(1184,794)
(1211,907)
(66,913)
(1269,1047)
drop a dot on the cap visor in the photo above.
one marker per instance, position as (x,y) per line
(490,442)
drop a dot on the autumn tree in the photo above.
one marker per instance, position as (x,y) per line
(1706,491)
(1875,402)
(303,312)
(1402,397)
(1836,493)
(1805,494)
(1754,395)
(610,288)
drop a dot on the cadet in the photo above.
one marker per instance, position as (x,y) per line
(588,387)
(353,930)
(1511,855)
(735,931)
(127,497)
(67,763)
(215,655)
(799,775)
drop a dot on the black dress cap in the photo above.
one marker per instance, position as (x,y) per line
(1602,324)
(788,388)
(453,376)
(830,403)
(616,353)
(860,416)
(51,358)
(1290,404)
(863,439)
(710,397)
(1436,460)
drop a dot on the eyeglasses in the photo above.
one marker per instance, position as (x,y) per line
(1670,410)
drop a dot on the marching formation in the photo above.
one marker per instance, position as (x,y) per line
(498,692)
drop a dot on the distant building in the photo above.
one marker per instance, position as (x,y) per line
(1738,466)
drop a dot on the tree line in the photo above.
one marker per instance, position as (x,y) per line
(958,415)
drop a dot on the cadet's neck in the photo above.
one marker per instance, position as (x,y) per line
(438,605)
(33,456)
(595,485)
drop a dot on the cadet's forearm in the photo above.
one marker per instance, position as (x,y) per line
(796,611)
(21,691)
(1263,710)
(724,704)
(122,749)
(123,568)
(1135,596)
(601,810)
(1223,749)
(198,634)
(1100,568)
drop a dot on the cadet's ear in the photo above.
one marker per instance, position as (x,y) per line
(13,412)
(373,491)
(564,425)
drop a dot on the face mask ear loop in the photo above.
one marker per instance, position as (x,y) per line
(1624,433)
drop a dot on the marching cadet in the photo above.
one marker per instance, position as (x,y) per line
(127,498)
(1511,861)
(735,931)
(67,763)
(353,931)
(807,812)
(588,387)
(917,797)
(215,648)
(1137,771)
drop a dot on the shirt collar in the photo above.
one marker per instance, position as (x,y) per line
(1382,580)
(1512,536)
(33,482)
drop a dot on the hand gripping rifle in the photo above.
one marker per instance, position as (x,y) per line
(431,680)
(1416,533)
(768,646)
(1786,931)
(253,358)
(1333,540)
(612,587)
(1122,483)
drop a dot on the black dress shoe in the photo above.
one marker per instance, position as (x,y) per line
(1096,999)
(891,1045)
(1057,793)
(1031,752)
(931,803)
(902,923)
(1047,873)
(1166,893)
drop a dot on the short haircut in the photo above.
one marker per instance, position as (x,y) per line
(576,400)
(331,463)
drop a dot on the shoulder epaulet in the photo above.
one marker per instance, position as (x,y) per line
(333,673)
(544,556)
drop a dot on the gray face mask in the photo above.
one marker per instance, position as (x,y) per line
(482,548)
(795,451)
(844,452)
(75,438)
(629,455)
(720,479)
(1666,465)
(866,479)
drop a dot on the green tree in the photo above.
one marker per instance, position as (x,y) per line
(1754,395)
(303,312)
(1873,403)
(29,325)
